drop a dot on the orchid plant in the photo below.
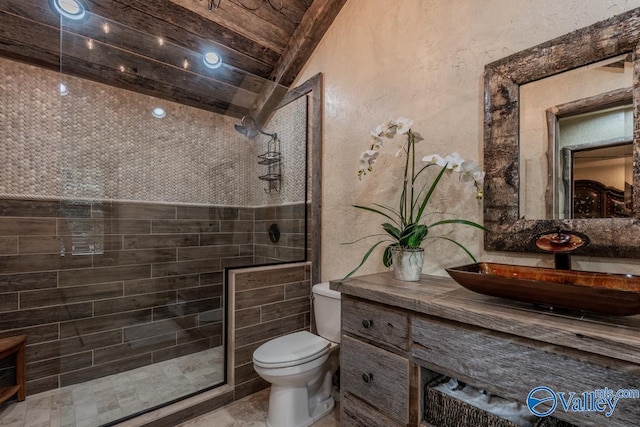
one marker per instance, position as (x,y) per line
(407,227)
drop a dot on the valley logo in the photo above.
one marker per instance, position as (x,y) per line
(601,400)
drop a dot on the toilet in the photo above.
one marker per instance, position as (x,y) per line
(300,366)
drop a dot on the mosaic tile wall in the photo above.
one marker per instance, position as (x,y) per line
(100,142)
(293,136)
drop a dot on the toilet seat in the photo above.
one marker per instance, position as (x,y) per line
(291,350)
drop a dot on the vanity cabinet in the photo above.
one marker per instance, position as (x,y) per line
(397,336)
(374,365)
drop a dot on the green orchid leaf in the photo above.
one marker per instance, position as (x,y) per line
(459,245)
(460,221)
(366,208)
(364,259)
(389,208)
(412,235)
(420,231)
(363,238)
(403,239)
(387,257)
(415,178)
(423,205)
(393,231)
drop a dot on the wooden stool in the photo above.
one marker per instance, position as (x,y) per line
(9,346)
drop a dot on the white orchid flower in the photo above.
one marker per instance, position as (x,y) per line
(367,160)
(376,142)
(403,125)
(434,159)
(454,161)
(473,173)
(386,129)
(417,137)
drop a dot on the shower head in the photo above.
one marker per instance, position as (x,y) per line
(249,128)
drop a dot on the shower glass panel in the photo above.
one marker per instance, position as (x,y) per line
(127,206)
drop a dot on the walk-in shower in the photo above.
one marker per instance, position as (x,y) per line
(119,214)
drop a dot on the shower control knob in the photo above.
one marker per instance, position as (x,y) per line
(367,378)
(367,323)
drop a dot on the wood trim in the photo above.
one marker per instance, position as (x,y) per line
(314,90)
(315,23)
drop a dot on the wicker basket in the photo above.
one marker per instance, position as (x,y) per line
(442,410)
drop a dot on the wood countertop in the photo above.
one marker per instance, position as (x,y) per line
(616,337)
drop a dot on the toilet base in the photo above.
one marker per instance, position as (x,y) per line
(289,407)
(323,409)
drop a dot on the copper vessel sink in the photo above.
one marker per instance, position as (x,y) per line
(603,293)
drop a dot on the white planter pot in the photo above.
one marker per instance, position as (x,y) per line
(407,263)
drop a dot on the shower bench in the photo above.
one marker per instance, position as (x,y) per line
(10,346)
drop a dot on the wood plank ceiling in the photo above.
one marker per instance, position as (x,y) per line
(156,47)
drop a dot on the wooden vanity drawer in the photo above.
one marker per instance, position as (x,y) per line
(376,376)
(375,322)
(356,413)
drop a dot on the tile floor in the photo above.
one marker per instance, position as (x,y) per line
(251,412)
(107,399)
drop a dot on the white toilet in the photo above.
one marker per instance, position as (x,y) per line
(300,366)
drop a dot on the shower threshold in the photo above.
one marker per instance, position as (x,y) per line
(108,399)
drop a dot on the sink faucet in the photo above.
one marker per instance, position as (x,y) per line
(561,243)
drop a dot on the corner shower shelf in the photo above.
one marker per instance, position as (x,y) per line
(273,160)
(270,177)
(269,158)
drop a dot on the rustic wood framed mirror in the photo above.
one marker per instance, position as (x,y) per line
(509,230)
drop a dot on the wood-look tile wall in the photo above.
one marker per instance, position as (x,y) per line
(268,302)
(135,300)
(291,223)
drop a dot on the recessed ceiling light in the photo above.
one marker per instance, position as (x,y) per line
(63,89)
(212,60)
(72,9)
(158,112)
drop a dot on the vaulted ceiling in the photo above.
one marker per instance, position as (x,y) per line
(156,46)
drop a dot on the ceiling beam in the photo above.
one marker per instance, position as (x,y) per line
(315,23)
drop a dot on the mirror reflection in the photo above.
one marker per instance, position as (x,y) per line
(569,113)
(600,182)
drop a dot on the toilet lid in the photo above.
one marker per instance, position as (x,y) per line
(290,350)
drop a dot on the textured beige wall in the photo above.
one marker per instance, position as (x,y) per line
(422,59)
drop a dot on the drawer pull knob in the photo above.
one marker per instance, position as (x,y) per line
(367,323)
(367,378)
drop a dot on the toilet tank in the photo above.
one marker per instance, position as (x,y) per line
(326,306)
